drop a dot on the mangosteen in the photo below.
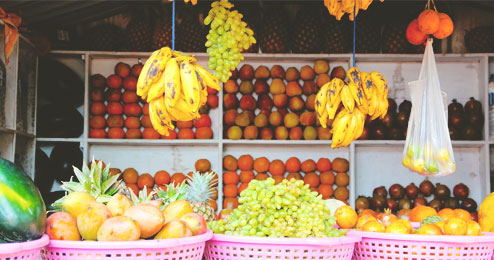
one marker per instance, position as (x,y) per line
(475,119)
(404,204)
(389,120)
(380,191)
(451,203)
(365,134)
(395,134)
(473,106)
(442,191)
(392,204)
(471,133)
(436,204)
(454,133)
(426,188)
(361,203)
(412,191)
(461,191)
(396,191)
(456,120)
(405,106)
(419,201)
(379,203)
(469,205)
(391,106)
(379,132)
(455,107)
(402,119)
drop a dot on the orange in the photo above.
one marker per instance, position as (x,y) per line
(242,187)
(327,177)
(230,190)
(342,179)
(277,178)
(277,167)
(262,176)
(213,204)
(133,188)
(294,175)
(362,220)
(230,203)
(230,163)
(398,227)
(145,180)
(203,165)
(246,176)
(373,226)
(230,177)
(308,166)
(130,176)
(177,178)
(429,21)
(340,165)
(421,212)
(441,224)
(369,212)
(292,164)
(325,190)
(473,228)
(429,229)
(323,164)
(245,162)
(455,226)
(446,213)
(161,178)
(346,217)
(312,179)
(341,193)
(261,164)
(463,214)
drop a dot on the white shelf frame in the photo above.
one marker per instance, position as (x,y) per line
(222,144)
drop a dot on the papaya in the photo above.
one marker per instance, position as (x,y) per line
(486,214)
(22,210)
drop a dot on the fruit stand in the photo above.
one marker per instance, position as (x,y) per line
(191,130)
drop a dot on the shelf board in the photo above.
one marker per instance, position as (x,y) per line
(50,140)
(14,131)
(402,142)
(138,142)
(276,142)
(7,130)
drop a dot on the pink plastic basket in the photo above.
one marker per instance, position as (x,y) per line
(23,250)
(225,247)
(420,247)
(190,248)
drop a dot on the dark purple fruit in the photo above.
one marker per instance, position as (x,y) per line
(412,191)
(402,119)
(456,120)
(451,203)
(380,192)
(391,106)
(405,106)
(396,191)
(469,205)
(419,201)
(455,107)
(473,106)
(442,191)
(365,134)
(475,119)
(405,204)
(436,204)
(454,133)
(362,203)
(461,191)
(426,188)
(379,132)
(379,203)
(389,120)
(392,204)
(471,133)
(395,134)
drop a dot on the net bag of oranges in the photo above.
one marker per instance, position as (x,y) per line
(428,149)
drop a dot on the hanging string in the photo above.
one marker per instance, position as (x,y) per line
(173,25)
(354,29)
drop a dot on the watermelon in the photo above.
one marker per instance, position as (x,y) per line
(22,210)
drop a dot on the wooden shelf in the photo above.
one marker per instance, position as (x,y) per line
(137,142)
(54,140)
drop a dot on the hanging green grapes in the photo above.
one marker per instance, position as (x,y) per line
(227,38)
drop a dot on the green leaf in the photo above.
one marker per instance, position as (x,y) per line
(108,183)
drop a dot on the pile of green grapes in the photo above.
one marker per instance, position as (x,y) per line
(289,209)
(227,38)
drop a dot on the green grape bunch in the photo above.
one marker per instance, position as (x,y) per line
(228,37)
(288,209)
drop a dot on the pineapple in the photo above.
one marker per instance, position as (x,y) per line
(368,34)
(199,191)
(274,32)
(138,34)
(142,197)
(394,38)
(191,33)
(307,32)
(480,39)
(95,181)
(104,37)
(171,193)
(337,35)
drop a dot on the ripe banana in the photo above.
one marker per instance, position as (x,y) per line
(367,84)
(207,78)
(152,71)
(190,86)
(364,4)
(379,81)
(351,131)
(340,128)
(347,98)
(359,97)
(181,112)
(338,8)
(173,86)
(159,116)
(321,99)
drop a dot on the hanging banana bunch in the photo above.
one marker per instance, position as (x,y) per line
(365,93)
(194,2)
(175,88)
(338,8)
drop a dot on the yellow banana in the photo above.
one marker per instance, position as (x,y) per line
(347,98)
(173,89)
(321,99)
(334,6)
(207,78)
(384,103)
(352,127)
(181,112)
(347,5)
(157,88)
(353,75)
(190,86)
(360,124)
(367,84)
(323,119)
(373,104)
(152,71)
(358,96)
(364,4)
(334,89)
(340,127)
(339,12)
(379,81)
(331,109)
(159,116)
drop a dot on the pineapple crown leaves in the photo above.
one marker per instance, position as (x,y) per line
(143,196)
(200,186)
(172,193)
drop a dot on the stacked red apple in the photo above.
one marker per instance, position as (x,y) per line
(116,97)
(275,104)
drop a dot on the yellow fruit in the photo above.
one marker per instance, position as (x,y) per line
(398,227)
(418,165)
(76,202)
(119,229)
(443,155)
(406,161)
(176,210)
(346,217)
(441,224)
(486,214)
(473,228)
(118,204)
(406,223)
(90,220)
(374,226)
(429,229)
(455,227)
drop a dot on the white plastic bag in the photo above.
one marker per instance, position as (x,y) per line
(428,149)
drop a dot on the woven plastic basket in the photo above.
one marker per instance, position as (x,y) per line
(420,247)
(225,247)
(23,250)
(190,248)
